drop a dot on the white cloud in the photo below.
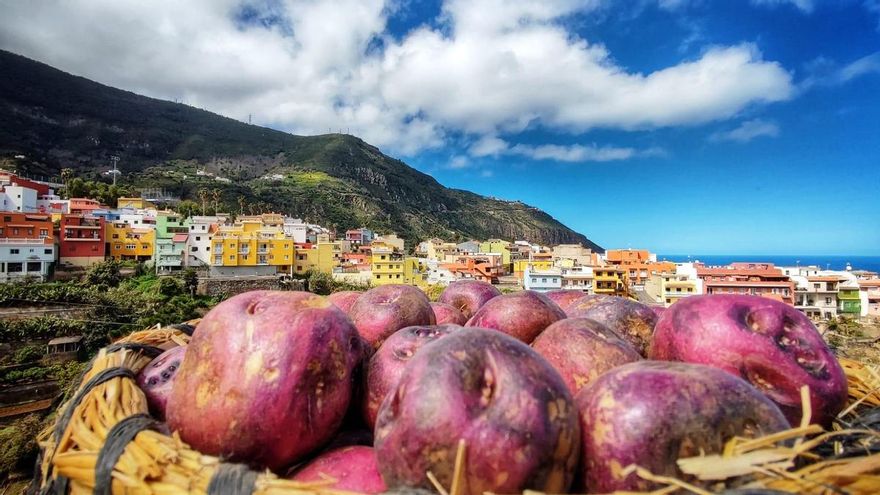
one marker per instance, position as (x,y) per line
(826,72)
(573,153)
(806,6)
(458,162)
(866,65)
(747,131)
(491,68)
(488,146)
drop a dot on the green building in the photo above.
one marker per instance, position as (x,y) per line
(849,303)
(171,236)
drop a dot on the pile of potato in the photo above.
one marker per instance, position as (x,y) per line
(553,392)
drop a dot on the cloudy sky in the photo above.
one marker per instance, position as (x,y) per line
(683,126)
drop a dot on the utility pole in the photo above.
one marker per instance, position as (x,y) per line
(115,171)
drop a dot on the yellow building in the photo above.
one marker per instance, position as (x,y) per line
(519,266)
(497,246)
(129,243)
(609,280)
(135,203)
(319,257)
(667,288)
(392,267)
(251,244)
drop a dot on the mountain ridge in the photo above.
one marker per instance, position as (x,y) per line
(62,120)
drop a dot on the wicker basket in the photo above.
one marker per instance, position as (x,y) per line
(103,441)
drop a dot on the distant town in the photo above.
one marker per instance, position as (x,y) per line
(41,233)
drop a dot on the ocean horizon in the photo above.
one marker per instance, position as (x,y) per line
(824,262)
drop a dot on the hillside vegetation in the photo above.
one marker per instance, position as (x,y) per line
(59,120)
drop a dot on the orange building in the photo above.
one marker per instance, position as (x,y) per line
(638,264)
(762,279)
(27,245)
(486,267)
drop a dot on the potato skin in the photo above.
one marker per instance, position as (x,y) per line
(771,345)
(446,313)
(344,299)
(632,320)
(581,349)
(267,378)
(651,413)
(157,378)
(522,315)
(565,297)
(381,311)
(386,365)
(468,295)
(354,469)
(507,403)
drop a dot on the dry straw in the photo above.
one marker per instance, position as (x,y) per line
(805,459)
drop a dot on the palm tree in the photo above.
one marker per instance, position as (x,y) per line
(203,196)
(66,175)
(215,195)
(241,204)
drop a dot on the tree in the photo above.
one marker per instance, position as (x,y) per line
(215,195)
(105,273)
(66,175)
(241,205)
(187,208)
(191,280)
(203,197)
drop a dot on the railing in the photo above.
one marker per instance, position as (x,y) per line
(22,241)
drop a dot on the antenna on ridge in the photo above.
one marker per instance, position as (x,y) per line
(115,171)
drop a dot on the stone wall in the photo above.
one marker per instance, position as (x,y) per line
(224,287)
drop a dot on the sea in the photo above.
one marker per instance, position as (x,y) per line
(826,262)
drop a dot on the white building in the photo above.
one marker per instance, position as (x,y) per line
(21,258)
(296,229)
(542,280)
(52,203)
(437,275)
(578,278)
(198,243)
(667,288)
(17,198)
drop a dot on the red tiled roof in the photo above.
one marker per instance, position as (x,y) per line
(179,237)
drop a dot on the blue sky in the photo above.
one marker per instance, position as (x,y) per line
(682,126)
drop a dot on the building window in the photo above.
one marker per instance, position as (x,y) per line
(231,256)
(194,249)
(47,251)
(198,238)
(14,231)
(14,267)
(13,251)
(34,266)
(827,300)
(543,280)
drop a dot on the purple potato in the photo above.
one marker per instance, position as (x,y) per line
(511,408)
(468,295)
(381,311)
(770,344)
(387,364)
(344,299)
(651,413)
(582,349)
(446,313)
(522,315)
(157,377)
(267,379)
(632,320)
